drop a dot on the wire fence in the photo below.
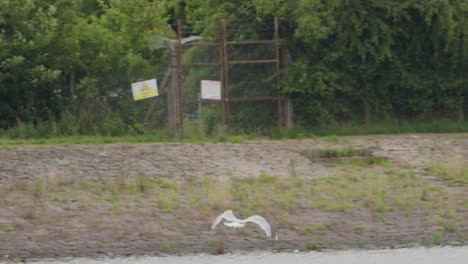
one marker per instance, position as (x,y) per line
(230,77)
(156,114)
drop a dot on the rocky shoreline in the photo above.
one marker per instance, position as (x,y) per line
(156,199)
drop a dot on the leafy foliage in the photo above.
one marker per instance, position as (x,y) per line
(69,63)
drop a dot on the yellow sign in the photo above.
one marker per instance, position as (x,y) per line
(145,89)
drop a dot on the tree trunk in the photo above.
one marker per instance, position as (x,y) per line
(461,111)
(367,114)
(71,85)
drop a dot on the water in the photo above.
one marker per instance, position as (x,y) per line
(449,255)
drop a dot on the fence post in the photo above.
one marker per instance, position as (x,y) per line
(285,105)
(174,95)
(281,115)
(180,89)
(224,75)
(288,107)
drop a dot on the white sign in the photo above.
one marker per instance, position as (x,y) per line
(211,90)
(145,89)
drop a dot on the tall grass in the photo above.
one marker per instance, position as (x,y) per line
(67,131)
(380,189)
(391,127)
(454,170)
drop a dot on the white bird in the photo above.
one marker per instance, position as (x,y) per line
(235,222)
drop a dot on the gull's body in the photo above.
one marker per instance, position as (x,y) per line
(233,221)
(234,224)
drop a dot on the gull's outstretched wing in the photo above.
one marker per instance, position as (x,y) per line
(261,222)
(159,42)
(190,39)
(228,215)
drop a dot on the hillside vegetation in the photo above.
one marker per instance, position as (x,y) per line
(66,65)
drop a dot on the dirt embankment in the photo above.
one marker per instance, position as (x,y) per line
(127,199)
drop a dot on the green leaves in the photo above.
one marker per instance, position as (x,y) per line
(59,55)
(386,58)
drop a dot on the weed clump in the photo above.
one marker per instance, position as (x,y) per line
(219,246)
(454,171)
(437,238)
(313,228)
(9,229)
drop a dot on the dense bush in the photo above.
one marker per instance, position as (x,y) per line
(66,66)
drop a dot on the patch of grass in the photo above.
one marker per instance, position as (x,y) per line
(30,212)
(115,207)
(374,190)
(312,228)
(9,229)
(139,201)
(449,226)
(365,162)
(379,161)
(198,133)
(437,238)
(143,183)
(95,188)
(266,179)
(454,171)
(52,183)
(244,232)
(311,246)
(165,183)
(138,184)
(279,248)
(359,228)
(59,198)
(265,194)
(84,201)
(218,192)
(239,139)
(391,127)
(67,140)
(55,182)
(219,246)
(338,153)
(431,193)
(171,247)
(352,164)
(330,138)
(425,194)
(452,214)
(6,202)
(40,187)
(135,139)
(115,192)
(169,201)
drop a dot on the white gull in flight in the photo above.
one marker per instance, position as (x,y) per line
(233,221)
